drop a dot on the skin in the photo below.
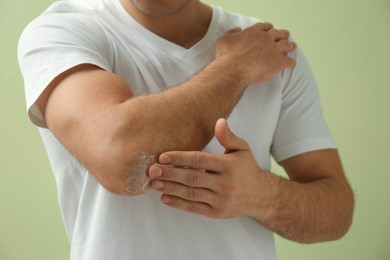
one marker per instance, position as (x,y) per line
(315,205)
(161,18)
(95,116)
(158,8)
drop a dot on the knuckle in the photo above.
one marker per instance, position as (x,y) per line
(262,26)
(199,160)
(286,46)
(265,35)
(290,46)
(285,33)
(191,208)
(193,178)
(192,194)
(266,26)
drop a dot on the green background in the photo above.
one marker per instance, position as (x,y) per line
(347,43)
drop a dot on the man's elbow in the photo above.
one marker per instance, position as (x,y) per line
(346,216)
(341,222)
(124,171)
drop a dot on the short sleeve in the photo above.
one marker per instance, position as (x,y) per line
(301,125)
(55,42)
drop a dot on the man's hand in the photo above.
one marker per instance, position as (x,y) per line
(315,205)
(258,52)
(217,186)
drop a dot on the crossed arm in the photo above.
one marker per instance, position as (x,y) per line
(95,116)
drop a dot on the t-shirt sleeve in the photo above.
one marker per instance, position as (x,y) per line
(54,43)
(301,125)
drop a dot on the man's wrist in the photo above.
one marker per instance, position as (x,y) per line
(232,71)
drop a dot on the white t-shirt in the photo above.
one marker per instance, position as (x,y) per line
(282,117)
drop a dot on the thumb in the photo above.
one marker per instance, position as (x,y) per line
(228,139)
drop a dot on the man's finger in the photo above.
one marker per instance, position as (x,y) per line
(263,26)
(187,176)
(286,46)
(278,35)
(193,159)
(227,138)
(183,191)
(189,206)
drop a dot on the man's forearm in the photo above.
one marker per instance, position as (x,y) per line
(306,212)
(181,118)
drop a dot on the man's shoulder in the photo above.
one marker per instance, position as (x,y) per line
(70,7)
(231,19)
(63,22)
(65,14)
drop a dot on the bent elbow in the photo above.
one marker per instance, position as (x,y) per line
(347,216)
(123,168)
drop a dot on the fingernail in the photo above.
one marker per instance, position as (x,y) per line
(155,172)
(165,159)
(158,185)
(166,199)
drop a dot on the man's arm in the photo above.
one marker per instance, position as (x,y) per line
(116,136)
(315,205)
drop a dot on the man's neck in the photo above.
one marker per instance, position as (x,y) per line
(185,27)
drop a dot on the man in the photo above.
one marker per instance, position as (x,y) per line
(128,92)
